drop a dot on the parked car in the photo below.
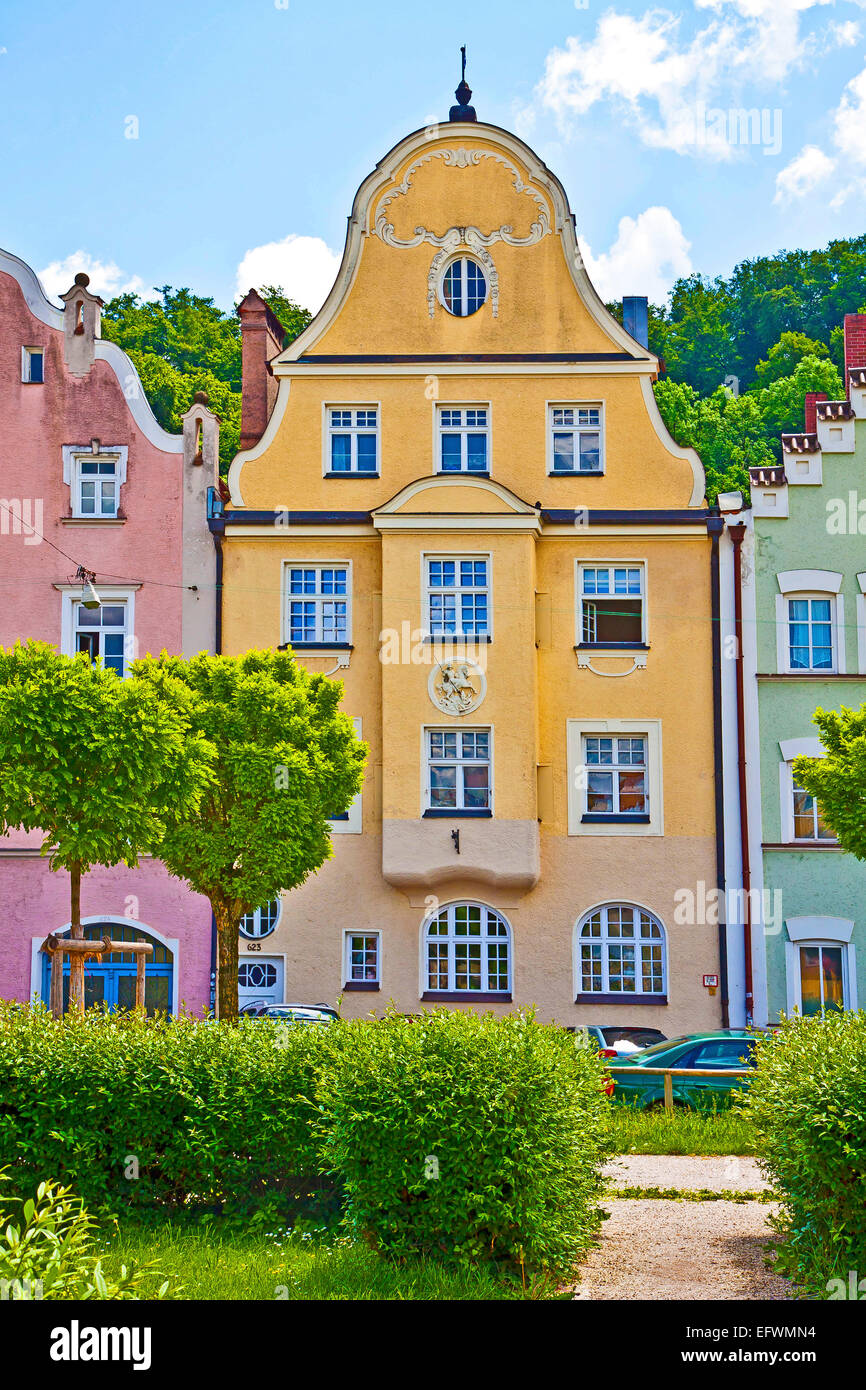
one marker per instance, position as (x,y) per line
(300,1013)
(254,1007)
(620,1040)
(727,1048)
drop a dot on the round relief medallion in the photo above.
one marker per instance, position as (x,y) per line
(457,687)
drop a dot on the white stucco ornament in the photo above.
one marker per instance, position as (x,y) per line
(457,687)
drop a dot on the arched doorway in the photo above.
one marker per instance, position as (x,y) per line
(111,979)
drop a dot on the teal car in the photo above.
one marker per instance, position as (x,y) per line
(729,1048)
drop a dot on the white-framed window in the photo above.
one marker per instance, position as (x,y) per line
(810,632)
(317,604)
(611,603)
(463,287)
(621,950)
(261,922)
(459,770)
(362,961)
(103,633)
(575,439)
(95,476)
(96,488)
(820,964)
(350,822)
(33,365)
(615,777)
(810,622)
(352,439)
(463,438)
(467,950)
(458,596)
(808,823)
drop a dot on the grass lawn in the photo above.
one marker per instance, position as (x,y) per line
(682,1132)
(207,1262)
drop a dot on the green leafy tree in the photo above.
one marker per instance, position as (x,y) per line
(696,344)
(102,766)
(838,781)
(286,761)
(727,431)
(785,355)
(781,403)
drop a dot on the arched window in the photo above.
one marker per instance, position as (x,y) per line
(467,953)
(261,922)
(621,954)
(464,288)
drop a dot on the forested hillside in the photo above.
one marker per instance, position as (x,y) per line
(775,325)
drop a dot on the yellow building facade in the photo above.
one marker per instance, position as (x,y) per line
(465,505)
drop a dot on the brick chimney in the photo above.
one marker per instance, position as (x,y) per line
(812,399)
(81,322)
(262,338)
(855,344)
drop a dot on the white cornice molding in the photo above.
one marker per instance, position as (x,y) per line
(692,457)
(819,928)
(468,370)
(803,581)
(31,287)
(267,439)
(361,226)
(792,748)
(441,480)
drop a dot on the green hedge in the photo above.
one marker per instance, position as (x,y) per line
(807,1103)
(469,1137)
(465,1137)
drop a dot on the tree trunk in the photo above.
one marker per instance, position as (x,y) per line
(76,959)
(227,923)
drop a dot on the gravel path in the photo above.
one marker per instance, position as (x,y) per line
(656,1249)
(729,1174)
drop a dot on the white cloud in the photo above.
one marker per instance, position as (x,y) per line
(664,82)
(304,266)
(805,171)
(650,252)
(848,121)
(106,278)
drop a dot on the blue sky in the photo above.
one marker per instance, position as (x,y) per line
(257,120)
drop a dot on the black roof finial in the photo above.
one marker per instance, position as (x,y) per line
(463,111)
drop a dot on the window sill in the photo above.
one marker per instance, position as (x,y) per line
(608,999)
(461,996)
(463,639)
(454,812)
(352,473)
(368,986)
(575,473)
(612,647)
(315,647)
(593,819)
(462,473)
(92,520)
(804,844)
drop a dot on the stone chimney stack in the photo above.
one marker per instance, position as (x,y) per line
(809,409)
(855,345)
(262,337)
(81,323)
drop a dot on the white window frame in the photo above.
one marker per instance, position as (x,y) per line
(318,598)
(451,939)
(820,931)
(277,959)
(810,584)
(651,730)
(462,257)
(464,431)
(790,749)
(860,612)
(257,934)
(428,759)
(580,567)
(605,940)
(73,457)
(354,822)
(348,935)
(27,354)
(328,430)
(428,591)
(109,594)
(575,429)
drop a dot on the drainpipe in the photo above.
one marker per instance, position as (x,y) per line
(217,529)
(715,526)
(737,533)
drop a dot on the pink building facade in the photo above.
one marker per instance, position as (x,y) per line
(91,483)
